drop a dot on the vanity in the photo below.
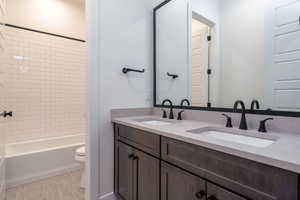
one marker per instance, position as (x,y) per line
(156,159)
(220,56)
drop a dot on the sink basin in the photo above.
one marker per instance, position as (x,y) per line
(252,141)
(154,122)
(232,135)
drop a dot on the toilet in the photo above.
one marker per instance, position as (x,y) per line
(80,157)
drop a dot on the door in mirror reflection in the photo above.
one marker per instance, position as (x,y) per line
(200,60)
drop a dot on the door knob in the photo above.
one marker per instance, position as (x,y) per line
(135,157)
(131,156)
(6,114)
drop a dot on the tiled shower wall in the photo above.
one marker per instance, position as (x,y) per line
(45,83)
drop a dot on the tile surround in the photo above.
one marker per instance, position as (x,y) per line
(44,79)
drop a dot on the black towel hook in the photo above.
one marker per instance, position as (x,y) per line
(174,76)
(125,70)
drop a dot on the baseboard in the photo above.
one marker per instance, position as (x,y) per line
(41,175)
(109,196)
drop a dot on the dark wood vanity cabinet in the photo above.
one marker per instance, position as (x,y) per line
(137,174)
(151,167)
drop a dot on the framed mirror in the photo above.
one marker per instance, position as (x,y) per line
(215,52)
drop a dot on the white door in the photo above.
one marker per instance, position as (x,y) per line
(2,105)
(284,74)
(172,22)
(200,51)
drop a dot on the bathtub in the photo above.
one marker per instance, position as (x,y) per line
(38,159)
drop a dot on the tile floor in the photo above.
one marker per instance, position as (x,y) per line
(62,187)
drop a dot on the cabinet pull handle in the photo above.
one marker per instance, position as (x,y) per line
(212,197)
(200,195)
(135,158)
(131,156)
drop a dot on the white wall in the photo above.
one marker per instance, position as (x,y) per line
(63,17)
(242,51)
(125,39)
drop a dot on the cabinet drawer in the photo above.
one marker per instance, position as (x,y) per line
(216,193)
(254,180)
(142,140)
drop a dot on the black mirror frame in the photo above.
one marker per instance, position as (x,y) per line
(213,109)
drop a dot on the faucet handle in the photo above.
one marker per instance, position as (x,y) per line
(179,117)
(262,125)
(229,121)
(164,113)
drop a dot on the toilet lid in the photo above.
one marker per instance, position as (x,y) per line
(80,151)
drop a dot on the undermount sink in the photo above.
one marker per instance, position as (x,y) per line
(154,122)
(236,136)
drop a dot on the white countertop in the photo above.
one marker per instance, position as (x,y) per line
(284,153)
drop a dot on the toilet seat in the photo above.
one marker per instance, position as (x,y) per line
(80,157)
(80,151)
(80,154)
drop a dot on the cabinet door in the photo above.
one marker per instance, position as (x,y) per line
(177,184)
(146,176)
(216,193)
(124,171)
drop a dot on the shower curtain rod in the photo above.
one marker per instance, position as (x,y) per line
(52,34)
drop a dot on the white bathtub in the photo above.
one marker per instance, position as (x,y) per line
(38,159)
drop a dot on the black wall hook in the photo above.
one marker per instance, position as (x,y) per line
(125,70)
(6,114)
(174,76)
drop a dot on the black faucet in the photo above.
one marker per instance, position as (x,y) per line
(229,121)
(262,125)
(171,116)
(254,103)
(243,123)
(179,117)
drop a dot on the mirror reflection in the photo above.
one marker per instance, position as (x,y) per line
(214,52)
